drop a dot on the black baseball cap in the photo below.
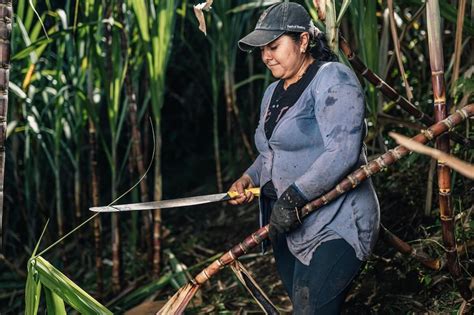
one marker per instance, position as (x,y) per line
(274,22)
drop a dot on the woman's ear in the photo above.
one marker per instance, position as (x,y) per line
(304,41)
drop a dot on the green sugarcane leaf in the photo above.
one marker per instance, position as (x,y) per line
(179,269)
(142,293)
(142,18)
(54,304)
(344,7)
(32,290)
(66,289)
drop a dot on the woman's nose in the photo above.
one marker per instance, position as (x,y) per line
(266,53)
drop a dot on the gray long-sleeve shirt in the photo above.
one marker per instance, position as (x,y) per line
(315,145)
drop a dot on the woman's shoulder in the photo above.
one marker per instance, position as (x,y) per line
(335,73)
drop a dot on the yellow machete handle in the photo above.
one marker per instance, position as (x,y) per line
(254,191)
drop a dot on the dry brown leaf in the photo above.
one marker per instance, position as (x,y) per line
(456,164)
(198,8)
(320,6)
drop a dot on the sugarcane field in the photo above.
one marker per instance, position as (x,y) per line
(236,157)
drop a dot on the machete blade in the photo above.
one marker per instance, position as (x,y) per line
(162,204)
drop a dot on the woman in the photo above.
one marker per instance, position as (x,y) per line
(309,137)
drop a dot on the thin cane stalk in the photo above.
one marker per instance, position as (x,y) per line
(177,304)
(442,143)
(137,156)
(6,12)
(398,53)
(407,249)
(157,33)
(458,45)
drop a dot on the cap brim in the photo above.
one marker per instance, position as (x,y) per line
(258,38)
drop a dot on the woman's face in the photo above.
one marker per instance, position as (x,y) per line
(284,56)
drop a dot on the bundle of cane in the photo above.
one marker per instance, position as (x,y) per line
(177,304)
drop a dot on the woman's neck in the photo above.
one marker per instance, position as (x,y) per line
(307,61)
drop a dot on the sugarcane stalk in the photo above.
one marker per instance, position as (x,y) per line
(158,192)
(389,91)
(178,302)
(6,13)
(398,53)
(442,143)
(458,45)
(96,201)
(405,248)
(137,156)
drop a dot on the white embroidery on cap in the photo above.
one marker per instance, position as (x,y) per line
(299,27)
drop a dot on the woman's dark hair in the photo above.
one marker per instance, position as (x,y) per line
(319,47)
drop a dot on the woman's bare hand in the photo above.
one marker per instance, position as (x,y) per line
(244,182)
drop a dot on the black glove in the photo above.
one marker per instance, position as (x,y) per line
(286,211)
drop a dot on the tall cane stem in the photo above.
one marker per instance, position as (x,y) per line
(442,143)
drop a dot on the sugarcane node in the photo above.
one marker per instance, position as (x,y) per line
(206,274)
(202,277)
(339,189)
(451,250)
(365,71)
(220,263)
(396,155)
(367,170)
(255,238)
(353,180)
(379,85)
(243,248)
(428,133)
(446,218)
(231,254)
(381,163)
(445,191)
(448,122)
(305,210)
(324,199)
(463,113)
(437,72)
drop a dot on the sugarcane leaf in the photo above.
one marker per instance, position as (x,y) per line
(143,292)
(51,38)
(142,18)
(54,304)
(179,269)
(32,289)
(66,289)
(342,11)
(249,80)
(449,12)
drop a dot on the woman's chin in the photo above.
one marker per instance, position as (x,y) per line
(276,74)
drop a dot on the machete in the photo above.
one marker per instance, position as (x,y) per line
(174,203)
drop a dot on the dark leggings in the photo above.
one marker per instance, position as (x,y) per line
(321,287)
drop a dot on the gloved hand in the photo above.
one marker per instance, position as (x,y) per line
(286,211)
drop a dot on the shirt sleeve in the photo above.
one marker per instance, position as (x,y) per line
(254,170)
(339,113)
